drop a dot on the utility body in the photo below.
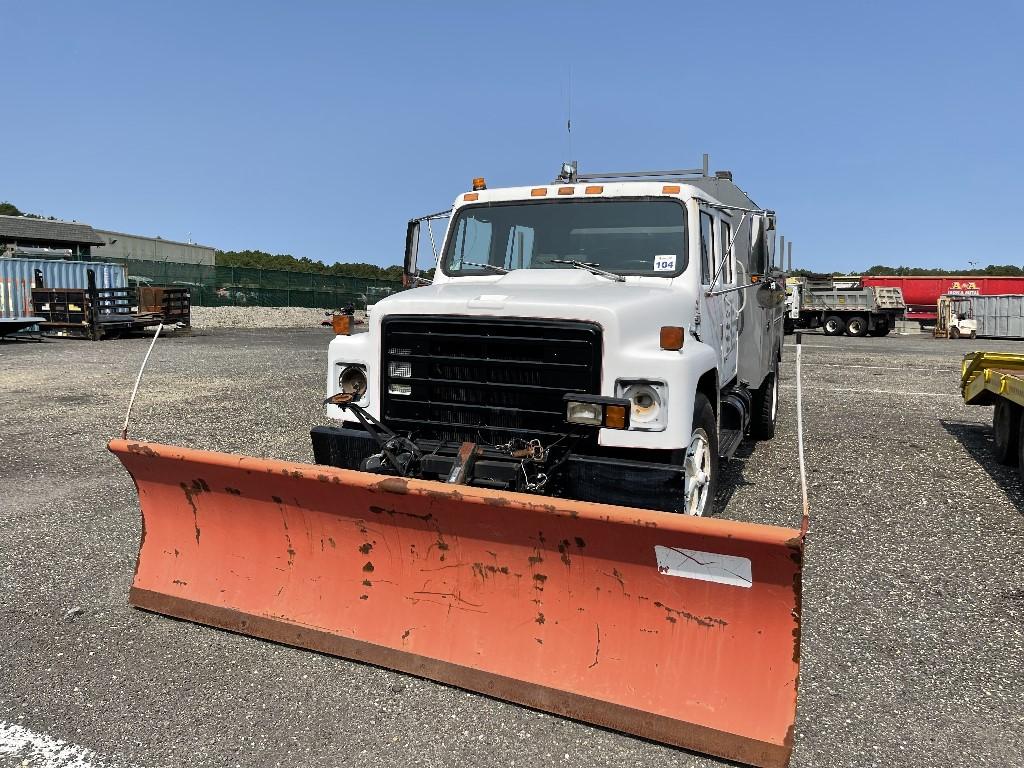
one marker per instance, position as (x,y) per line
(602,338)
(821,302)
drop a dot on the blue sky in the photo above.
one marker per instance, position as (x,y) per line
(880,132)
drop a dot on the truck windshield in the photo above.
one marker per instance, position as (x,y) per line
(628,237)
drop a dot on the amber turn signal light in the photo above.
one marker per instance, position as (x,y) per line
(615,416)
(672,337)
(342,324)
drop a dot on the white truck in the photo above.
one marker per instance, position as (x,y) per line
(604,337)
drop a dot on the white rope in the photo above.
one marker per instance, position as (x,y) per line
(138,380)
(800,438)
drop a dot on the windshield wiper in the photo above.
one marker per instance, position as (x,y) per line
(495,267)
(592,268)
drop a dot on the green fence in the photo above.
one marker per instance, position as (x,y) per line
(245,286)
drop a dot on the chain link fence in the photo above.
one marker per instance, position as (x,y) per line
(245,286)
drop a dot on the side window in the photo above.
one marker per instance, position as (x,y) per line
(727,265)
(707,246)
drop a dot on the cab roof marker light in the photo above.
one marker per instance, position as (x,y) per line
(539,192)
(594,190)
(470,196)
(671,189)
(566,190)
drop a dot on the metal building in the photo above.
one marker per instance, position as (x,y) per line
(119,246)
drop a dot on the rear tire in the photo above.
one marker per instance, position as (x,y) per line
(954,333)
(700,476)
(834,325)
(1006,430)
(974,335)
(766,407)
(882,329)
(857,326)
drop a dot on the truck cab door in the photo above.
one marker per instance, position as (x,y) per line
(721,308)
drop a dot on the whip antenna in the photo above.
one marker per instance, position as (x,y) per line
(138,380)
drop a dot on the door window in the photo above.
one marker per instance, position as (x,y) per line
(707,246)
(726,254)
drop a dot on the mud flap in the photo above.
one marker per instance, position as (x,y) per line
(682,630)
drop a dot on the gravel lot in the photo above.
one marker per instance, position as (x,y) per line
(913,647)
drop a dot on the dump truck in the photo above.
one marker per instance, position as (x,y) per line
(515,494)
(821,302)
(997,379)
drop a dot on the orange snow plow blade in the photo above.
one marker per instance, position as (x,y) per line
(682,630)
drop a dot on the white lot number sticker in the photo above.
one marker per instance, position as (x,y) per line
(665,263)
(704,566)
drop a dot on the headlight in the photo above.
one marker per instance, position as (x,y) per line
(352,381)
(648,404)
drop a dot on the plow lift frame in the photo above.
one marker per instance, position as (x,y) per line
(679,629)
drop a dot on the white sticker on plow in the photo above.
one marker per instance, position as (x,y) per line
(704,566)
(665,263)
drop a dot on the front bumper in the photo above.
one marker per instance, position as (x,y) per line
(606,480)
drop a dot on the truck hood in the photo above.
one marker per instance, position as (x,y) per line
(544,293)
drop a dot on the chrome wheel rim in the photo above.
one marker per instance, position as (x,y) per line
(697,467)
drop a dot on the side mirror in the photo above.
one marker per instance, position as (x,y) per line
(412,244)
(770,294)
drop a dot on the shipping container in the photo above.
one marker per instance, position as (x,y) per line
(922,293)
(19,276)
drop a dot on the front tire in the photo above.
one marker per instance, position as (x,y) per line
(700,467)
(954,332)
(766,407)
